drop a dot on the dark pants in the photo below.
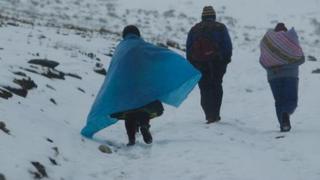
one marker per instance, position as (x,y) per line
(285,93)
(135,120)
(140,117)
(211,89)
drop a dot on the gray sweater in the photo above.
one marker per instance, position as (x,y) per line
(290,70)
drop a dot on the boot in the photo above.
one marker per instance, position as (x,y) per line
(131,131)
(285,125)
(144,129)
(132,141)
(212,120)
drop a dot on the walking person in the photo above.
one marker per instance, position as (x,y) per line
(141,77)
(281,56)
(209,49)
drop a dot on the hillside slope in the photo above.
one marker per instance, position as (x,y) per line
(52,58)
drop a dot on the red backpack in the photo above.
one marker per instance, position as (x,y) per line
(203,47)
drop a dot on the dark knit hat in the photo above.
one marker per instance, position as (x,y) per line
(208,11)
(131,29)
(280,27)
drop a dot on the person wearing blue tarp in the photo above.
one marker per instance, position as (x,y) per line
(140,74)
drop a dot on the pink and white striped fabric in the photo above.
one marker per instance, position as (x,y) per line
(280,48)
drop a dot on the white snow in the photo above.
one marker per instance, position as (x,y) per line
(245,145)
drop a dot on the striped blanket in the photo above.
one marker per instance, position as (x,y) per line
(280,48)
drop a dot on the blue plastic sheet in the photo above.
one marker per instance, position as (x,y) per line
(140,73)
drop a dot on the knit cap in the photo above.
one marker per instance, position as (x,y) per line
(208,11)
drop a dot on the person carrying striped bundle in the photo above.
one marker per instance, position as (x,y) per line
(281,56)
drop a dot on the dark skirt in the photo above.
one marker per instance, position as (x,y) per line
(153,109)
(285,93)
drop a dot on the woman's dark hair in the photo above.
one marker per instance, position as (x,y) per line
(280,27)
(131,29)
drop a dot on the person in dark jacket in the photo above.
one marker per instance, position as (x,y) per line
(210,33)
(283,79)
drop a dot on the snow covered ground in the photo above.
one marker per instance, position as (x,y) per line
(79,34)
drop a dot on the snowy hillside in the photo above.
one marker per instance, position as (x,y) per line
(53,56)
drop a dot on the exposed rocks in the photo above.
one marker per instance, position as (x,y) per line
(173,44)
(49,140)
(54,74)
(56,151)
(53,101)
(77,28)
(105,149)
(44,63)
(25,84)
(100,69)
(30,70)
(105,31)
(316,71)
(5,94)
(91,55)
(48,69)
(53,161)
(73,75)
(19,73)
(41,170)
(13,21)
(12,24)
(249,90)
(16,91)
(312,58)
(49,73)
(80,89)
(162,45)
(110,54)
(50,87)
(4,128)
(280,137)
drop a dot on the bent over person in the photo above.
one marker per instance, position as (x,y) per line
(209,49)
(138,81)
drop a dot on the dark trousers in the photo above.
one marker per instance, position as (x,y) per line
(136,120)
(285,93)
(211,90)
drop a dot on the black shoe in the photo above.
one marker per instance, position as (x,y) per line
(131,143)
(146,134)
(132,140)
(213,120)
(131,127)
(285,125)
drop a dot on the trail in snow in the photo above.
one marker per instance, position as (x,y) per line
(245,145)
